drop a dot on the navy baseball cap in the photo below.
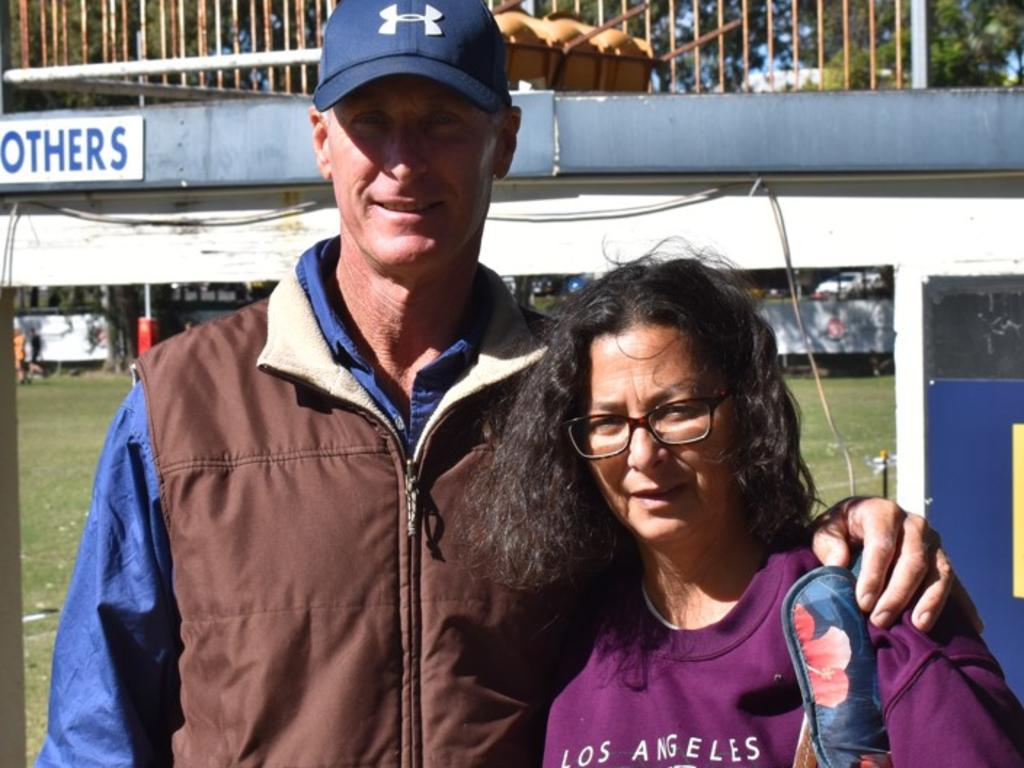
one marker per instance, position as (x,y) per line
(454,42)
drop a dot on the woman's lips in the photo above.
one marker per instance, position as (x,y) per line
(656,496)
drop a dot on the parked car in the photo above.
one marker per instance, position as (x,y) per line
(843,286)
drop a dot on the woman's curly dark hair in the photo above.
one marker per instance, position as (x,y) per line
(541,517)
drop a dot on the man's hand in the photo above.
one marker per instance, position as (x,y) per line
(893,541)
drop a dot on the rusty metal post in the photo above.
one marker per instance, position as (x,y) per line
(871,44)
(287,46)
(54,33)
(104,22)
(236,45)
(64,30)
(821,45)
(42,32)
(181,35)
(746,46)
(23,28)
(300,40)
(721,50)
(899,44)
(268,40)
(320,23)
(771,45)
(846,44)
(12,663)
(672,45)
(5,50)
(253,39)
(112,29)
(696,48)
(124,30)
(201,49)
(163,35)
(647,24)
(796,45)
(143,43)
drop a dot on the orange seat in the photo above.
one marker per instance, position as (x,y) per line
(626,61)
(528,57)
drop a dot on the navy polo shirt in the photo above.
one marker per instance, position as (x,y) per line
(314,270)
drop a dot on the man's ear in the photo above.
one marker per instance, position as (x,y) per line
(508,129)
(321,148)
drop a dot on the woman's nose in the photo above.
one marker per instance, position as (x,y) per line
(643,447)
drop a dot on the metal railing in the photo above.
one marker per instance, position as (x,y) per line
(202,48)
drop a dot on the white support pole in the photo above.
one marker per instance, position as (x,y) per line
(910,386)
(12,663)
(36,75)
(919,43)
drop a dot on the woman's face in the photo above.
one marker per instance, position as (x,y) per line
(665,495)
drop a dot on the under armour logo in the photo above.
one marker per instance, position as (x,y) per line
(430,18)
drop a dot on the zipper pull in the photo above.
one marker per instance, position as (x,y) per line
(411,493)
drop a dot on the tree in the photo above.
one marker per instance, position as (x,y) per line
(976,42)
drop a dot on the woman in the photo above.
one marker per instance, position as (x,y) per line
(670,450)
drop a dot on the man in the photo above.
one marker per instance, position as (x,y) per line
(269,574)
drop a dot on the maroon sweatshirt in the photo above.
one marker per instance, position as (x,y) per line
(638,694)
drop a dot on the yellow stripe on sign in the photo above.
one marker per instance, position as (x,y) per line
(1018,510)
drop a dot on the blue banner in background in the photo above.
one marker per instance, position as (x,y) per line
(971,485)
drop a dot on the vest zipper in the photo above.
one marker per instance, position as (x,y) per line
(411,495)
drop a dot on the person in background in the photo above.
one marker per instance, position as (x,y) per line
(35,345)
(671,454)
(20,364)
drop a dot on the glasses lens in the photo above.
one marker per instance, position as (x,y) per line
(600,436)
(681,422)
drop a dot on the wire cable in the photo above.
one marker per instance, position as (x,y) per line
(780,224)
(7,266)
(180,221)
(616,213)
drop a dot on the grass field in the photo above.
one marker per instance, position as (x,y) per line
(62,422)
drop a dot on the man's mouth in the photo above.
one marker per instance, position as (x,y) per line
(400,207)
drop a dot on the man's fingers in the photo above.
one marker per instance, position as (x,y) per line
(938,586)
(829,542)
(915,560)
(878,523)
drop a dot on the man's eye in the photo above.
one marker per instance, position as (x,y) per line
(367,119)
(442,118)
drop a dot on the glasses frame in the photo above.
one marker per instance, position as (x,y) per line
(637,422)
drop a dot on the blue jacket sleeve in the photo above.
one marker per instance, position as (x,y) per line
(114,692)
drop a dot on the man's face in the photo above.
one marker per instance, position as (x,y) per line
(412,163)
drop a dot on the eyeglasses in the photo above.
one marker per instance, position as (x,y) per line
(677,423)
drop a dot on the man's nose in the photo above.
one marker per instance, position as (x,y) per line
(407,151)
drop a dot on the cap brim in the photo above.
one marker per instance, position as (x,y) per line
(339,85)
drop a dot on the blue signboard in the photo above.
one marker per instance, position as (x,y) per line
(975,478)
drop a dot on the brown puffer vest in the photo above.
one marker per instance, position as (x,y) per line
(316,630)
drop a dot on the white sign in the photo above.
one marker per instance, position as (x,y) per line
(71,149)
(66,338)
